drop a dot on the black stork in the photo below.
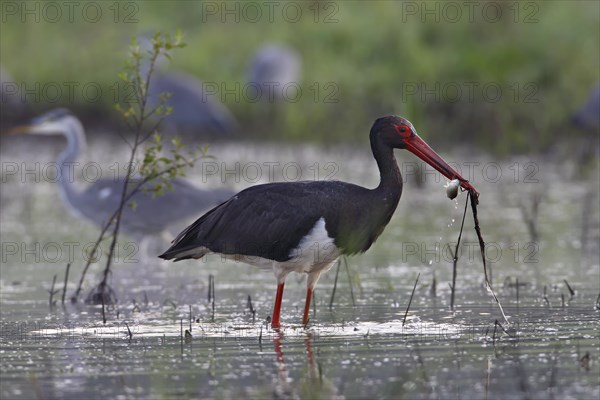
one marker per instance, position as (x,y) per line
(306,226)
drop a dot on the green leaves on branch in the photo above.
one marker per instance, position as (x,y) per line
(161,169)
(157,166)
(137,74)
(157,169)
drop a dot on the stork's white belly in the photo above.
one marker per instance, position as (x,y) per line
(315,253)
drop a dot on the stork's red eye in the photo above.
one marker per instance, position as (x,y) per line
(403,130)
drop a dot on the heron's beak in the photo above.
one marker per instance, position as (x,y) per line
(20,130)
(418,147)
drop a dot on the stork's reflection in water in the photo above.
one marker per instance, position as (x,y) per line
(312,384)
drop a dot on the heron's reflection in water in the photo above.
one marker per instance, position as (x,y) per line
(313,384)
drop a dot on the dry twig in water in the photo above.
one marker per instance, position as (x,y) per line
(410,300)
(337,272)
(52,292)
(455,259)
(474,202)
(65,284)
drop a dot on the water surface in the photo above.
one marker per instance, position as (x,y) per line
(365,345)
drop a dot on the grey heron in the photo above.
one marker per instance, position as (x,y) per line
(588,115)
(97,203)
(272,69)
(197,109)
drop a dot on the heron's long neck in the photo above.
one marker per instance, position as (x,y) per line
(67,160)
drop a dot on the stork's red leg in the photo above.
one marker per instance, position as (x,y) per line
(277,309)
(309,293)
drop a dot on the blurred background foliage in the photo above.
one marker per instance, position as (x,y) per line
(545,58)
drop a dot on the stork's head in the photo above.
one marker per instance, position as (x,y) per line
(399,133)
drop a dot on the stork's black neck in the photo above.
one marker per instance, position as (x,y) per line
(357,224)
(391,179)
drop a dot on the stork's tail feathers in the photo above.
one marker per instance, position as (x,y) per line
(177,253)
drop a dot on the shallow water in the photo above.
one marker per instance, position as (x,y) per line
(372,349)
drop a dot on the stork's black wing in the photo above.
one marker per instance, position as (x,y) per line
(267,221)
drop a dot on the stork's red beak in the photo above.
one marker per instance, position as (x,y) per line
(417,146)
